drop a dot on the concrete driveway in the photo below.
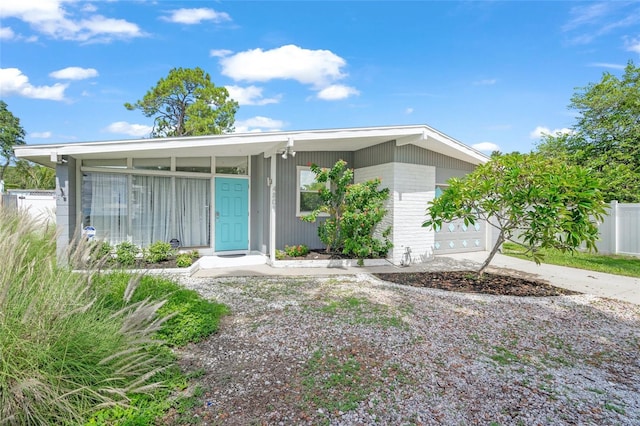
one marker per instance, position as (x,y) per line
(597,283)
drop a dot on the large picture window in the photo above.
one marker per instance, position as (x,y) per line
(144,209)
(308,196)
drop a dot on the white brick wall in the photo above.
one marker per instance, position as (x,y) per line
(412,186)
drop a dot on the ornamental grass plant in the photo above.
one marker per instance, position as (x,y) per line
(64,354)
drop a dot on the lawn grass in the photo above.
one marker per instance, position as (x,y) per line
(612,264)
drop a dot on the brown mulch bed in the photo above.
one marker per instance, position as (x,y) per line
(469,282)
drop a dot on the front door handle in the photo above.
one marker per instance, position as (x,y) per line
(217,215)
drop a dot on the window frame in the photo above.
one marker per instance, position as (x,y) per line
(300,213)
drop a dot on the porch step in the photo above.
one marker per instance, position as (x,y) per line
(208,262)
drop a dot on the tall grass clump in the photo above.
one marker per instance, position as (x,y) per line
(63,352)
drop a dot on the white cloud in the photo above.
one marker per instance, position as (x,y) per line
(408,111)
(540,131)
(596,19)
(196,16)
(250,95)
(6,33)
(14,82)
(88,7)
(486,146)
(122,127)
(336,92)
(607,65)
(633,45)
(41,135)
(316,67)
(74,73)
(220,53)
(586,15)
(486,82)
(258,124)
(50,17)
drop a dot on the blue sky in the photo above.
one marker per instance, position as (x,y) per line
(493,75)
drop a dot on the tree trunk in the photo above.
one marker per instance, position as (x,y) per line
(494,250)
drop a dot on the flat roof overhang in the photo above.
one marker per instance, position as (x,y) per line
(265,143)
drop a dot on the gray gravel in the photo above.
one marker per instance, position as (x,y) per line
(356,350)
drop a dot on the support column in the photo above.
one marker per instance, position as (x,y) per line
(65,208)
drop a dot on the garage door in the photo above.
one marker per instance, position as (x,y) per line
(456,237)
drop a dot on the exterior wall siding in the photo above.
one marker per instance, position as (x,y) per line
(259,227)
(388,152)
(290,230)
(378,154)
(444,174)
(411,186)
(412,154)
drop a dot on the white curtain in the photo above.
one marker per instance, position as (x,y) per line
(108,206)
(150,210)
(192,211)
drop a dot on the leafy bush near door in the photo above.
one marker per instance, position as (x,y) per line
(158,252)
(128,255)
(355,213)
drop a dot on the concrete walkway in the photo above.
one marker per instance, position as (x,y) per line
(597,283)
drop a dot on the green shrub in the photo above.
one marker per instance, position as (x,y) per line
(296,251)
(355,213)
(64,353)
(184,260)
(280,254)
(126,253)
(193,318)
(100,253)
(158,252)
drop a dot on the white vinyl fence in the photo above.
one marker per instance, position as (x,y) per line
(40,204)
(620,231)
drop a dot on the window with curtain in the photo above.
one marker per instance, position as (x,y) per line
(105,205)
(145,209)
(151,215)
(193,198)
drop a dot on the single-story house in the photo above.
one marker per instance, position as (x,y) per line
(244,193)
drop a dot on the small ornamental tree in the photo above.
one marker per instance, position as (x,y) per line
(355,210)
(531,200)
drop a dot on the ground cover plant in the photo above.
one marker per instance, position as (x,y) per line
(611,264)
(73,350)
(159,255)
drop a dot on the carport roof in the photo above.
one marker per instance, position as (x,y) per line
(266,143)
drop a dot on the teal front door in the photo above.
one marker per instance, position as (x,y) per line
(232,214)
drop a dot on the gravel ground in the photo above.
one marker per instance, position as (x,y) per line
(357,350)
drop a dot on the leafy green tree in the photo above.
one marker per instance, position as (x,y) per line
(355,211)
(187,103)
(531,200)
(26,175)
(606,137)
(11,135)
